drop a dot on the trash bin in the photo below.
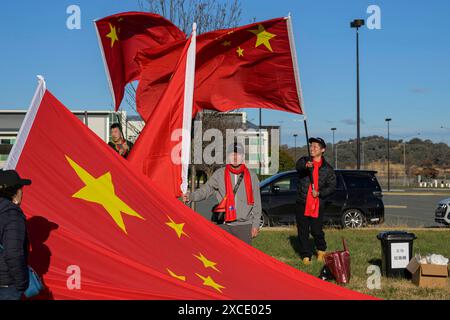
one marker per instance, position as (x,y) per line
(396,252)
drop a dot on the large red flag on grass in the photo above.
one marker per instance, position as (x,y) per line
(121,36)
(101,231)
(253,66)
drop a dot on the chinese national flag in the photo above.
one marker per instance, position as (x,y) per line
(157,151)
(122,35)
(100,231)
(246,67)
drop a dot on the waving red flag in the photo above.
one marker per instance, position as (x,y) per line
(252,66)
(122,35)
(101,231)
(159,149)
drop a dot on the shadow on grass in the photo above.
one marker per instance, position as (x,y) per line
(376,262)
(296,244)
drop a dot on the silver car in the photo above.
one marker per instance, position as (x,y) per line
(442,212)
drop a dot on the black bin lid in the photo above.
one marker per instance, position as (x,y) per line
(396,236)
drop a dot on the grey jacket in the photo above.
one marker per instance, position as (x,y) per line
(246,214)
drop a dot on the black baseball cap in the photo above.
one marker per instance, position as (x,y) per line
(10,178)
(319,141)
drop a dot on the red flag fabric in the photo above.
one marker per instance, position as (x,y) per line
(122,35)
(157,151)
(247,67)
(101,231)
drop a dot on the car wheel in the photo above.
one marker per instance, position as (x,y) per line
(352,218)
(265,221)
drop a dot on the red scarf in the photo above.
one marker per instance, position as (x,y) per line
(312,204)
(230,213)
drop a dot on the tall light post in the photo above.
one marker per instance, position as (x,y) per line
(356,24)
(295,147)
(334,154)
(388,154)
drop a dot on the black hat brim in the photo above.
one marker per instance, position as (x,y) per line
(24,182)
(311,140)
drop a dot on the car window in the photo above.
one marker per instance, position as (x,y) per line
(265,189)
(287,183)
(361,181)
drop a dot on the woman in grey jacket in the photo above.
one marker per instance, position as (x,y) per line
(243,209)
(13,237)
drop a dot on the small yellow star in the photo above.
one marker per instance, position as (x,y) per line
(240,52)
(207,263)
(112,34)
(178,227)
(226,43)
(209,282)
(263,37)
(173,274)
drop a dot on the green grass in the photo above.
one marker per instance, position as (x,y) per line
(365,250)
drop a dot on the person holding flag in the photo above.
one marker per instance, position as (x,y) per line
(313,188)
(119,143)
(237,190)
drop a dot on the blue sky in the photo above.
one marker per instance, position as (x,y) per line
(405,66)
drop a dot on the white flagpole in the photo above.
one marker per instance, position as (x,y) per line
(27,123)
(187,110)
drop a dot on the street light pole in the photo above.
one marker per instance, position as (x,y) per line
(295,147)
(334,155)
(388,154)
(357,23)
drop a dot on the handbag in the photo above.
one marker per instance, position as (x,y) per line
(35,285)
(219,210)
(338,263)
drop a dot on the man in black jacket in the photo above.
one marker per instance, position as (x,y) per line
(14,276)
(310,200)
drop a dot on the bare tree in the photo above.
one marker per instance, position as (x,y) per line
(208,14)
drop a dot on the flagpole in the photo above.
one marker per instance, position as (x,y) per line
(27,123)
(298,85)
(187,110)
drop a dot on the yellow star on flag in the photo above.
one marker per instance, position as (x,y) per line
(209,282)
(101,191)
(207,263)
(178,227)
(226,43)
(240,52)
(262,37)
(173,274)
(112,34)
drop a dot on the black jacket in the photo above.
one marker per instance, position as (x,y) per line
(14,239)
(129,144)
(327,180)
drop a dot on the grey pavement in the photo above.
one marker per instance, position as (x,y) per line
(402,208)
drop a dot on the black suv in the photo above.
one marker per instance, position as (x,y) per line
(356,202)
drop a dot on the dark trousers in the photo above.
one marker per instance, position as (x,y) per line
(306,226)
(243,232)
(10,293)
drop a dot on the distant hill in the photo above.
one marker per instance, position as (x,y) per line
(415,157)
